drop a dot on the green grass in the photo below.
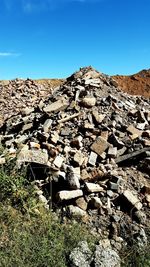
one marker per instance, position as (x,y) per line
(37,240)
(31,236)
(136,257)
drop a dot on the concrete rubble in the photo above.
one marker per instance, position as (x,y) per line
(93,140)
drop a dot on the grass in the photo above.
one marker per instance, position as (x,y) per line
(29,234)
(37,240)
(136,257)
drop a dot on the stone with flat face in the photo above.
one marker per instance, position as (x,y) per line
(93,188)
(66,195)
(92,158)
(131,199)
(59,105)
(99,146)
(32,156)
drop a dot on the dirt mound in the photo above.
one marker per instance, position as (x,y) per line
(137,84)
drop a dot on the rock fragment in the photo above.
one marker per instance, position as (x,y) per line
(91,187)
(59,105)
(99,146)
(132,200)
(66,195)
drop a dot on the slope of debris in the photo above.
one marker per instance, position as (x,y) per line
(88,149)
(137,84)
(17,94)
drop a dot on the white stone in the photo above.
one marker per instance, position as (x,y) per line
(132,199)
(92,158)
(91,187)
(89,101)
(66,195)
(56,106)
(76,211)
(58,161)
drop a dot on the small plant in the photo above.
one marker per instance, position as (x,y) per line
(30,235)
(38,240)
(137,257)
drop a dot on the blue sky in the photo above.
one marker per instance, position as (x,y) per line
(53,38)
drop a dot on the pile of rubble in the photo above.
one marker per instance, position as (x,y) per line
(17,94)
(89,145)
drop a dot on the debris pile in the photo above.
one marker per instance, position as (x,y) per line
(89,143)
(17,94)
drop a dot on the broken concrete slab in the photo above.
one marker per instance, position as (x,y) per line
(59,105)
(91,187)
(132,200)
(92,158)
(99,146)
(132,130)
(67,195)
(32,156)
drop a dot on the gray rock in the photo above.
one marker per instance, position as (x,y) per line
(32,156)
(106,257)
(73,177)
(81,256)
(66,195)
(76,212)
(99,146)
(92,158)
(56,106)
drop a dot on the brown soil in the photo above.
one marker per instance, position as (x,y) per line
(50,83)
(137,84)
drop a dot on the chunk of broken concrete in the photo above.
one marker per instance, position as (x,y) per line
(95,202)
(99,146)
(78,158)
(93,188)
(67,195)
(59,105)
(131,200)
(81,203)
(88,102)
(112,152)
(58,161)
(98,117)
(76,211)
(32,156)
(92,158)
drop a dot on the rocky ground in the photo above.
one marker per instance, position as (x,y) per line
(87,147)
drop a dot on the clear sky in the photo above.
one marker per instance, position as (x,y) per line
(53,38)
